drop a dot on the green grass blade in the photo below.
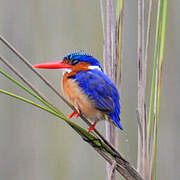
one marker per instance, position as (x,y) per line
(88,137)
(155,68)
(61,116)
(34,104)
(28,90)
(57,113)
(163,31)
(160,54)
(153,97)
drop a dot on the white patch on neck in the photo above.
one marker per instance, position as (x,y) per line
(94,67)
(66,71)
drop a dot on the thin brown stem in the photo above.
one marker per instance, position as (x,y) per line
(118,45)
(142,162)
(111,131)
(148,31)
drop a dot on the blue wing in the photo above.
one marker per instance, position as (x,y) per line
(102,90)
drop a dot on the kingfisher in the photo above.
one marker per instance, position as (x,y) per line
(87,88)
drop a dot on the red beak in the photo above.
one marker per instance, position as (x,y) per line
(53,65)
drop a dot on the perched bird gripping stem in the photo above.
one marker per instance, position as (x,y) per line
(87,88)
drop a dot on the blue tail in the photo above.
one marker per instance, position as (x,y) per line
(116,120)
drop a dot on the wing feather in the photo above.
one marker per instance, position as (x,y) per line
(100,89)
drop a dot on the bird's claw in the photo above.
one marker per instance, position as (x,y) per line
(73,114)
(92,127)
(77,115)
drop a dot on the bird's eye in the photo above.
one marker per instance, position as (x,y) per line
(74,61)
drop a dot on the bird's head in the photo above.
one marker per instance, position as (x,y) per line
(76,61)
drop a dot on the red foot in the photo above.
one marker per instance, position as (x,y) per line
(77,115)
(74,113)
(71,115)
(92,127)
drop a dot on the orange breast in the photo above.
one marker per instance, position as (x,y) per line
(80,100)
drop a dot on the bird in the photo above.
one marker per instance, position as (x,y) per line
(87,88)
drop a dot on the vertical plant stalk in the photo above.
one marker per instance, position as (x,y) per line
(111,135)
(118,43)
(139,62)
(142,161)
(153,96)
(148,31)
(112,32)
(151,114)
(161,24)
(148,138)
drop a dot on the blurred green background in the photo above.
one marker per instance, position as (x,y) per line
(36,145)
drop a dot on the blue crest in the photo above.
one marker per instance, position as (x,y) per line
(81,56)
